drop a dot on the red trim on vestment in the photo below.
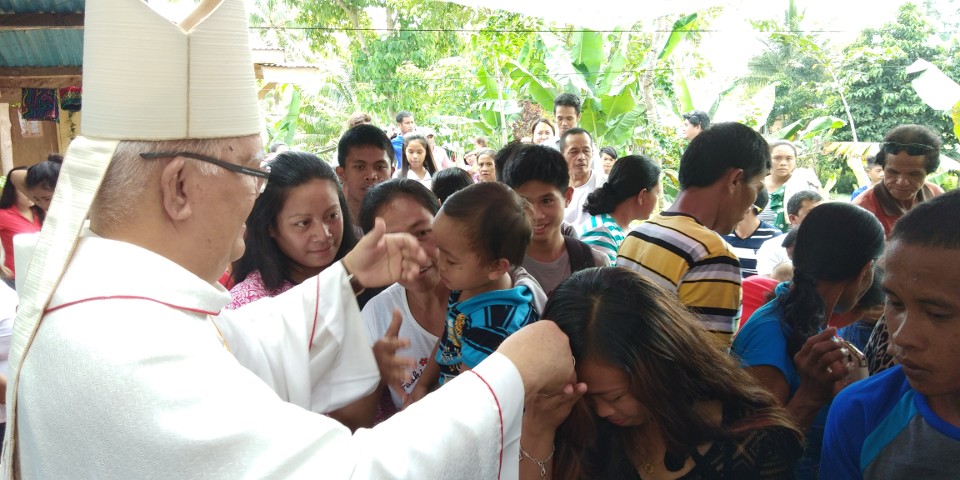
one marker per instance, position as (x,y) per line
(316,313)
(500,413)
(127,297)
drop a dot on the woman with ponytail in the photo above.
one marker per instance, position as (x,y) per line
(790,344)
(630,194)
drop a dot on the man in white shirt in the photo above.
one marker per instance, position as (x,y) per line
(135,374)
(577,147)
(773,253)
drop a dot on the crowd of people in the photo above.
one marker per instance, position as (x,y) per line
(534,312)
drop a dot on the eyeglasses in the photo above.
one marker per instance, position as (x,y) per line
(912,149)
(262,176)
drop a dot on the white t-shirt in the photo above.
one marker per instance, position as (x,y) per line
(771,254)
(574,214)
(377,314)
(426,180)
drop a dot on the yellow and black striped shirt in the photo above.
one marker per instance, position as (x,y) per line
(683,256)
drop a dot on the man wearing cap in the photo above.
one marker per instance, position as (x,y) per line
(694,123)
(910,153)
(121,364)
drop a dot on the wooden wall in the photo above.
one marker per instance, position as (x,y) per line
(15,150)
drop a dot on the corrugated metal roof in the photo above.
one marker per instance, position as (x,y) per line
(41,48)
(42,6)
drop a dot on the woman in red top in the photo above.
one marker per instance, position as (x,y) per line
(17,215)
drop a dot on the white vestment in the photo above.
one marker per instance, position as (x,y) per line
(128,378)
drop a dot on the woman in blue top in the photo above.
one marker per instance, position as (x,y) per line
(630,194)
(789,344)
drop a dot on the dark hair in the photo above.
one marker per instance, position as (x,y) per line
(790,238)
(788,143)
(721,147)
(363,135)
(481,141)
(55,157)
(795,203)
(44,174)
(289,169)
(449,181)
(566,100)
(619,317)
(855,239)
(628,177)
(504,156)
(916,134)
(763,198)
(874,295)
(403,114)
(428,162)
(934,223)
(536,162)
(874,160)
(382,193)
(573,131)
(494,220)
(276,146)
(9,196)
(610,151)
(698,118)
(543,120)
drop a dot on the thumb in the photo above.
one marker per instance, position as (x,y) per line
(394,329)
(379,229)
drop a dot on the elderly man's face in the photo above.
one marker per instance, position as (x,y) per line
(904,175)
(229,197)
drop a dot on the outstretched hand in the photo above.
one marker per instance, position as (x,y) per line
(394,370)
(381,258)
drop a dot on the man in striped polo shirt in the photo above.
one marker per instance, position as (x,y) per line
(682,249)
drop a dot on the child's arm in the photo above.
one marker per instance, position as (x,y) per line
(427,381)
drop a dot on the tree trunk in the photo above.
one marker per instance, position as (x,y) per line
(353,14)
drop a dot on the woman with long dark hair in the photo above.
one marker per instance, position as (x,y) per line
(297,228)
(661,399)
(790,345)
(417,160)
(17,215)
(630,194)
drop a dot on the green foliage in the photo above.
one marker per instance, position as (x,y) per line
(879,93)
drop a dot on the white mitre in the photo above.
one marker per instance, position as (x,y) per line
(145,78)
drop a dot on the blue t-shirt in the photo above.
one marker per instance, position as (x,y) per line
(882,428)
(478,325)
(856,193)
(763,341)
(398,150)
